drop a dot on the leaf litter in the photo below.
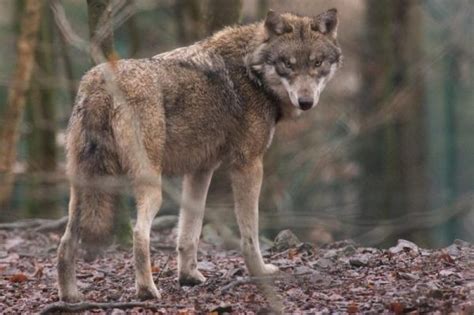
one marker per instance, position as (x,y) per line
(340,277)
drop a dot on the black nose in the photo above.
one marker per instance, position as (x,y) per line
(305,102)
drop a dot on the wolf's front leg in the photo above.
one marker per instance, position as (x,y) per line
(246,184)
(148,202)
(195,187)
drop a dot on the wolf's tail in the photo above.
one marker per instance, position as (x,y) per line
(95,171)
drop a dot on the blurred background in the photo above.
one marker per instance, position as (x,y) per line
(388,153)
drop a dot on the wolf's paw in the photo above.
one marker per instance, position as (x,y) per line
(269,269)
(192,278)
(148,293)
(71,297)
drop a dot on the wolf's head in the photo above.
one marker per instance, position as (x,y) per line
(298,57)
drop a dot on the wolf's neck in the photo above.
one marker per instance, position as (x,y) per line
(237,46)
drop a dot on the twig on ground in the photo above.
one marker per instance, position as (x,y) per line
(53,226)
(163,268)
(39,225)
(23,224)
(85,306)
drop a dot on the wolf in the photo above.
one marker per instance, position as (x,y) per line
(185,113)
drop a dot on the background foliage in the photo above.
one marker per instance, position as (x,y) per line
(387,154)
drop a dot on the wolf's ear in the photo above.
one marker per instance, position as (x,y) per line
(326,23)
(276,24)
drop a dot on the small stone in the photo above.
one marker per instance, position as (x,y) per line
(335,297)
(404,245)
(322,263)
(303,270)
(345,251)
(164,222)
(359,260)
(332,253)
(446,273)
(348,250)
(461,243)
(285,240)
(408,276)
(453,250)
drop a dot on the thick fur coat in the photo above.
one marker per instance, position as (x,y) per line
(186,112)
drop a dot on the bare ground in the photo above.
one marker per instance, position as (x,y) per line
(341,277)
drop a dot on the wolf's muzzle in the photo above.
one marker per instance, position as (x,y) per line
(305,102)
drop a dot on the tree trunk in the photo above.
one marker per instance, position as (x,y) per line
(198,19)
(41,116)
(42,151)
(101,27)
(262,8)
(393,155)
(190,21)
(68,68)
(133,34)
(221,13)
(9,133)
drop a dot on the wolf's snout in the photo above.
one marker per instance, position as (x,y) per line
(305,102)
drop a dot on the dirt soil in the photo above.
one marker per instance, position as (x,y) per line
(341,277)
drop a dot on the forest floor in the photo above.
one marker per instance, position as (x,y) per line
(340,277)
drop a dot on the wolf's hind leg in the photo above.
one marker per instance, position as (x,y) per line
(195,187)
(148,197)
(68,291)
(246,184)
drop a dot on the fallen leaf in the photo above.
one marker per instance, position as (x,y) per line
(397,307)
(352,308)
(447,258)
(18,278)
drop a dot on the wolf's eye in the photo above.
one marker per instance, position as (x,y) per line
(287,64)
(318,63)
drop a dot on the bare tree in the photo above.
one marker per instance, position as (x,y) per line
(197,19)
(41,117)
(101,26)
(392,155)
(190,21)
(221,13)
(9,133)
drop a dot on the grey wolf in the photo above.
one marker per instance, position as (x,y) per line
(187,112)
